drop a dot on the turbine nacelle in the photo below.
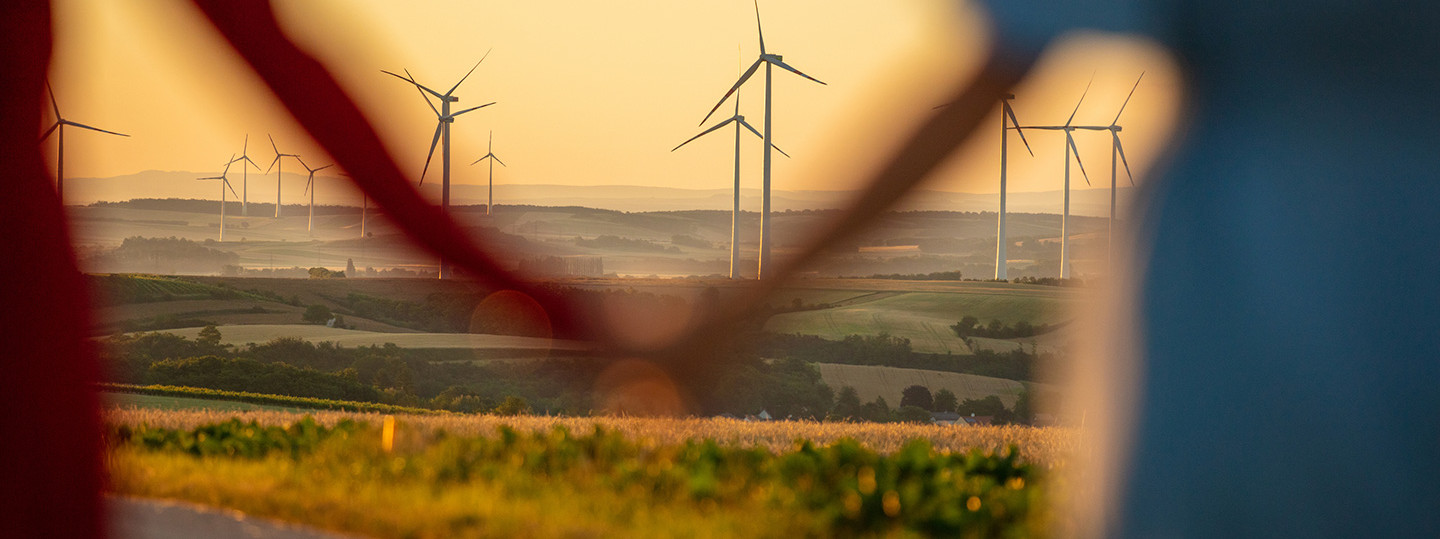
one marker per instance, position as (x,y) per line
(772,57)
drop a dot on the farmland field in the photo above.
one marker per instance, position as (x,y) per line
(872,381)
(925,317)
(488,476)
(240,335)
(155,402)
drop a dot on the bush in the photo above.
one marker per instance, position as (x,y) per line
(317,314)
(513,406)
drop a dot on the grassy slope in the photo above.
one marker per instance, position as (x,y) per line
(889,382)
(156,402)
(925,317)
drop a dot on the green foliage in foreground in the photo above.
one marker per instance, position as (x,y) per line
(599,483)
(263,399)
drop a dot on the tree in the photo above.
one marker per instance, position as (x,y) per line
(877,410)
(913,414)
(945,401)
(317,314)
(350,266)
(918,396)
(209,335)
(847,403)
(513,406)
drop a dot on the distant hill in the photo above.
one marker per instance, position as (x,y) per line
(335,190)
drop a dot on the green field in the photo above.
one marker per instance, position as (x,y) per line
(925,317)
(131,400)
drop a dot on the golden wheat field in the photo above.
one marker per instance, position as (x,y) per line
(1047,447)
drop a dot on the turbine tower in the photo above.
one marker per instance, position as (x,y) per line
(770,61)
(280,172)
(1069,145)
(59,125)
(739,122)
(490,154)
(245,177)
(224,184)
(1116,151)
(442,130)
(1007,118)
(310,189)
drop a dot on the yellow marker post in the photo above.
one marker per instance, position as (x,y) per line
(387,433)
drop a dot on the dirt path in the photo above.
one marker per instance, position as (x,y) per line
(143,518)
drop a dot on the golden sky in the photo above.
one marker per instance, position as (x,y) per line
(594,92)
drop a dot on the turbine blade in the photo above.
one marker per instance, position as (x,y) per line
(471,108)
(1121,150)
(762,137)
(497,160)
(272,145)
(490,146)
(83,126)
(759,27)
(787,67)
(1019,131)
(705,132)
(1082,100)
(411,80)
(308,182)
(227,166)
(48,131)
(52,99)
(226,183)
(1071,141)
(467,74)
(272,163)
(252,163)
(302,161)
(324,167)
(743,78)
(1127,98)
(433,142)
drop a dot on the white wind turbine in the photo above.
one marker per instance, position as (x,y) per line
(490,154)
(1116,151)
(1069,145)
(739,122)
(442,131)
(224,184)
(59,125)
(1007,118)
(310,189)
(280,175)
(245,176)
(770,60)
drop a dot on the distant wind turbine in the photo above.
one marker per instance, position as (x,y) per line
(490,154)
(1116,150)
(245,176)
(739,122)
(770,60)
(442,131)
(59,125)
(280,174)
(310,189)
(224,184)
(1069,145)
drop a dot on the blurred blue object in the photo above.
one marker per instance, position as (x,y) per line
(1290,384)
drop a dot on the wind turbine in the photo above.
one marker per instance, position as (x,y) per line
(1116,150)
(739,122)
(280,175)
(770,60)
(59,125)
(224,184)
(310,188)
(442,130)
(245,177)
(490,154)
(1069,145)
(1007,118)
